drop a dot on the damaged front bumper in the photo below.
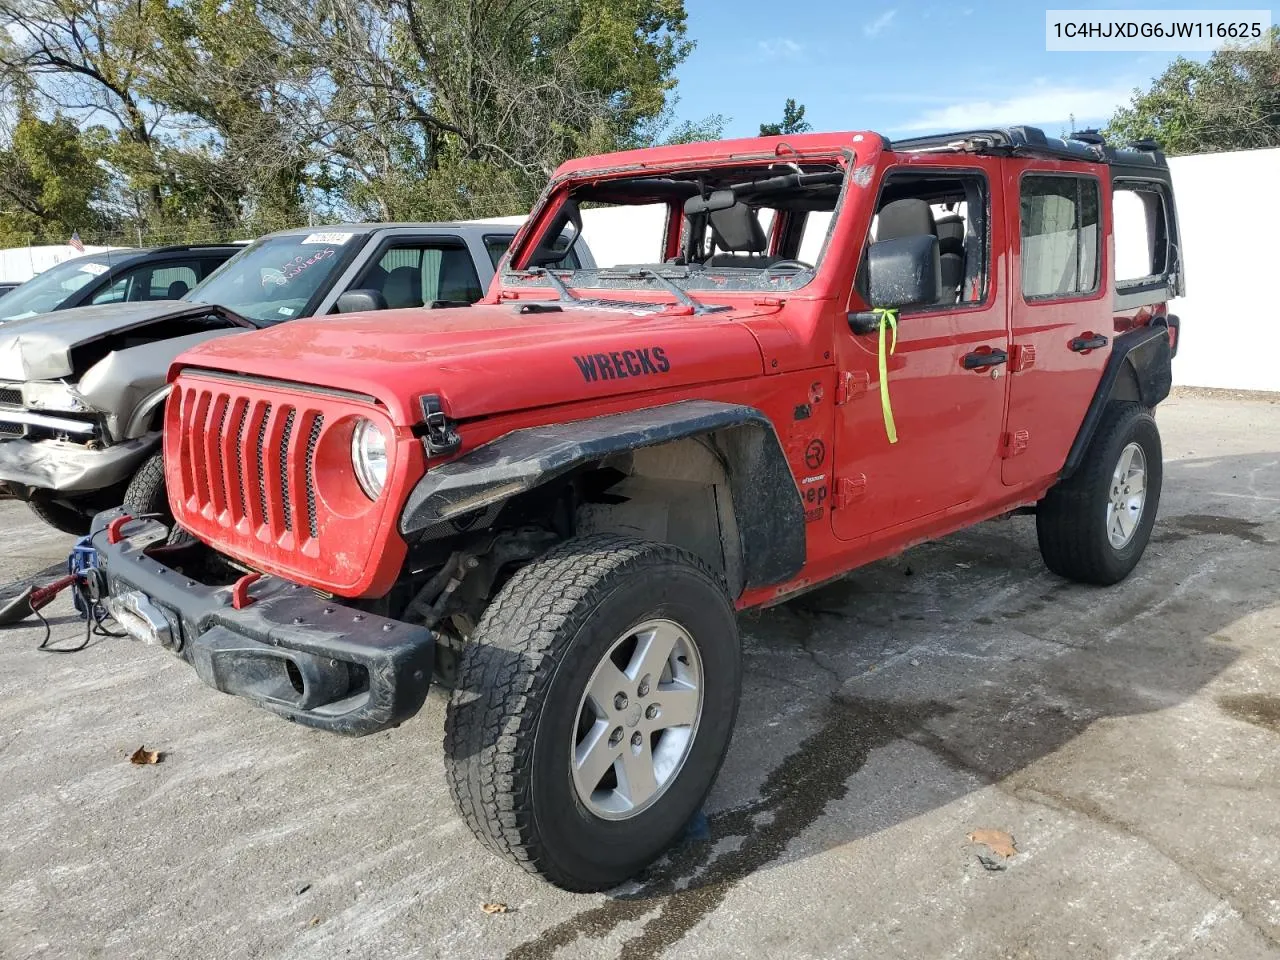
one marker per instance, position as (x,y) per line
(71,468)
(312,661)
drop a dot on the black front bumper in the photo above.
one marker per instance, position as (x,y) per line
(310,660)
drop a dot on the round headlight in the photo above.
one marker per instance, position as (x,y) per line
(369,457)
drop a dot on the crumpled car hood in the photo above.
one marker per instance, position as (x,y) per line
(39,348)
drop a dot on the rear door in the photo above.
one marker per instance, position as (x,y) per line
(1060,310)
(946,380)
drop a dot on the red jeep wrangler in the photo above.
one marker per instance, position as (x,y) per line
(556,500)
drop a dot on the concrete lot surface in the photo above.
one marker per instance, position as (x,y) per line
(1128,739)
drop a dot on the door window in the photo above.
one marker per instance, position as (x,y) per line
(1060,236)
(168,281)
(422,274)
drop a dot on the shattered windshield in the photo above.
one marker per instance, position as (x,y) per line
(278,278)
(53,288)
(751,227)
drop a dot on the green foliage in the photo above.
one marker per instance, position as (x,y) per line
(1230,102)
(793,122)
(233,117)
(50,182)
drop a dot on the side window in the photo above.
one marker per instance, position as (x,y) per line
(1061,236)
(420,274)
(116,292)
(956,209)
(1141,231)
(171,282)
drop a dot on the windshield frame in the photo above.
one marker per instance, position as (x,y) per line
(357,239)
(58,274)
(694,278)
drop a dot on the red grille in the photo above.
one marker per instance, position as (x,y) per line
(264,474)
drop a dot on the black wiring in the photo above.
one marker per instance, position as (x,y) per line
(95,617)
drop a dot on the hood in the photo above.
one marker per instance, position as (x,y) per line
(491,358)
(39,348)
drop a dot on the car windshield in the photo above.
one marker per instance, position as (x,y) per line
(277,278)
(53,288)
(719,228)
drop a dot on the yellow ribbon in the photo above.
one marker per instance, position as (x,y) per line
(888,318)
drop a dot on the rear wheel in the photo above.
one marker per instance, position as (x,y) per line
(593,708)
(1094,526)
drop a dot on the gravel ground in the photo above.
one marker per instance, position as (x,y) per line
(1128,739)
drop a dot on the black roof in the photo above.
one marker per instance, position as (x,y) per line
(1086,146)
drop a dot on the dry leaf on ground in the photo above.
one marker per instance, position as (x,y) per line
(997,841)
(492,908)
(143,756)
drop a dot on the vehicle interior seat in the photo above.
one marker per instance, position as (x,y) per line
(403,288)
(458,280)
(950,230)
(909,217)
(178,289)
(736,230)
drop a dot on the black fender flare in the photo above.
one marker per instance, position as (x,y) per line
(766,502)
(1140,369)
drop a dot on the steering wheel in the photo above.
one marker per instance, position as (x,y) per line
(790,265)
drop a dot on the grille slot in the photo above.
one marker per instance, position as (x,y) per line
(260,440)
(309,477)
(12,430)
(239,478)
(10,397)
(284,468)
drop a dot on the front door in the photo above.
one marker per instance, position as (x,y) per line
(946,380)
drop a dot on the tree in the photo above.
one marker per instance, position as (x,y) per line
(793,121)
(1230,102)
(50,182)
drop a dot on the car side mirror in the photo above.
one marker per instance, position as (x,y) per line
(361,301)
(902,272)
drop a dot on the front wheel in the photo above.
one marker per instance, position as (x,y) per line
(1094,526)
(593,708)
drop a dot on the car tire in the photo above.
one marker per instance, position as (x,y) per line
(147,495)
(535,716)
(61,517)
(1094,526)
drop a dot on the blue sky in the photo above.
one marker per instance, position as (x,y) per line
(905,66)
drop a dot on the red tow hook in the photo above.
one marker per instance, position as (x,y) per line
(115,529)
(240,592)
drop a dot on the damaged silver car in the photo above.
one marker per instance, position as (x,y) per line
(82,391)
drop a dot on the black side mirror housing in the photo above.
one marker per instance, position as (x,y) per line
(902,272)
(361,301)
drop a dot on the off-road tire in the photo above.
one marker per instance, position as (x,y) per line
(147,495)
(61,517)
(508,729)
(1071,519)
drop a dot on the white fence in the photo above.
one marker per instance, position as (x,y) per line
(22,263)
(1229,214)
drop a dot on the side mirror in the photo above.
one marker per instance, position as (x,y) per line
(361,301)
(903,272)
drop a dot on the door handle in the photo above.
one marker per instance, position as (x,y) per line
(984,358)
(1093,341)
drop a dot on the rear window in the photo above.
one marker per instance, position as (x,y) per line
(1060,236)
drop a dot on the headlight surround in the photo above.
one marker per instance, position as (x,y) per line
(369,457)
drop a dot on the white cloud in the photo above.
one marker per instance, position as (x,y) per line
(1047,106)
(780,48)
(877,26)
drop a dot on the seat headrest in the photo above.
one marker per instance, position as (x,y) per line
(905,218)
(178,289)
(403,288)
(736,229)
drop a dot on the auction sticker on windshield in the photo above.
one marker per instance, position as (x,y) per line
(338,238)
(96,269)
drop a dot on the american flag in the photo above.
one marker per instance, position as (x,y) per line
(76,242)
